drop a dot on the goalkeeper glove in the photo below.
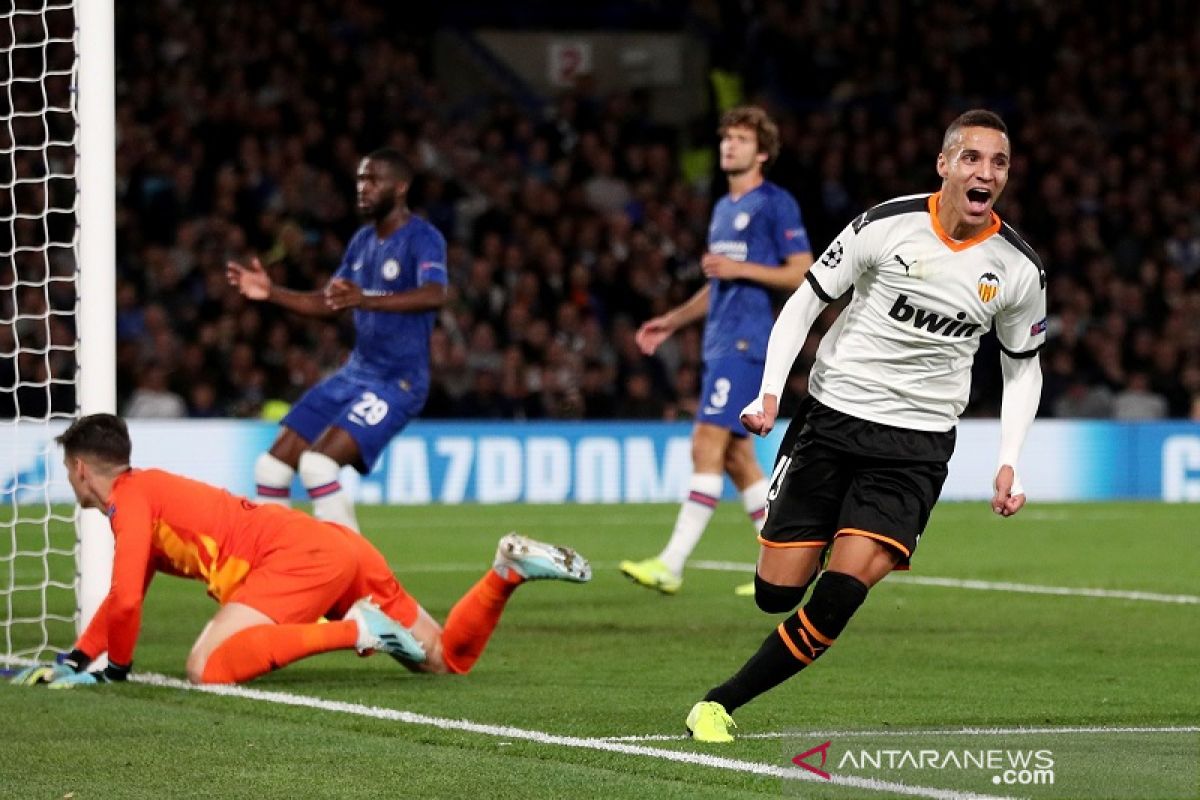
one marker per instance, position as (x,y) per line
(41,673)
(110,674)
(72,663)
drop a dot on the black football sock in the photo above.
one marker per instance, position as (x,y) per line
(797,642)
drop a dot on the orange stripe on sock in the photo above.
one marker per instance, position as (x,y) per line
(783,634)
(812,629)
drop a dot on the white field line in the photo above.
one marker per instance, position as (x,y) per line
(1019,731)
(654,513)
(994,586)
(541,737)
(526,524)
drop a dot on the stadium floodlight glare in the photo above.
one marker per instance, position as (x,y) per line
(57,307)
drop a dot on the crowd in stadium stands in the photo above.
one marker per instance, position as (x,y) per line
(567,228)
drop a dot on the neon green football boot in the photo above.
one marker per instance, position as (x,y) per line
(653,574)
(709,722)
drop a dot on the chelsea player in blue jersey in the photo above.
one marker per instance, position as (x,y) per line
(756,244)
(393,277)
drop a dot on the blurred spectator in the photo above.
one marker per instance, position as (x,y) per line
(1083,401)
(638,398)
(1136,401)
(202,401)
(152,399)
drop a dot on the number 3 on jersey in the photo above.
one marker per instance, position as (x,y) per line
(720,395)
(370,410)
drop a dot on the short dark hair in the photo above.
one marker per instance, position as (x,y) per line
(398,164)
(755,118)
(104,436)
(975,118)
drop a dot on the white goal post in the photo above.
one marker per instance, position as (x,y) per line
(57,309)
(95,97)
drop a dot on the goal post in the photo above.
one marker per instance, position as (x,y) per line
(96,257)
(57,309)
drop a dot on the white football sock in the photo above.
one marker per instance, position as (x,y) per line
(319,474)
(273,480)
(704,492)
(754,500)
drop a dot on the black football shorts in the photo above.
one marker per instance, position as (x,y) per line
(851,477)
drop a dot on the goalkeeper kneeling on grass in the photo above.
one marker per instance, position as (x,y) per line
(274,571)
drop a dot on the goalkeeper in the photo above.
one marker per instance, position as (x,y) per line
(275,572)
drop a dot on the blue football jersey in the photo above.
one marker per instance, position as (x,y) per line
(762,226)
(388,345)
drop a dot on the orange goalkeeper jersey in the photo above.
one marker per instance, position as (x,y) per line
(167,523)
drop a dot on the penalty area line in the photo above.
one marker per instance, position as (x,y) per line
(994,586)
(845,734)
(542,737)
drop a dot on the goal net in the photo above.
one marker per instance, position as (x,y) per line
(42,316)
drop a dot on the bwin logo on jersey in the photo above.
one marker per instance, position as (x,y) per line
(989,287)
(904,311)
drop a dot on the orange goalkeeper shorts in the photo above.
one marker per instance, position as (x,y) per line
(320,570)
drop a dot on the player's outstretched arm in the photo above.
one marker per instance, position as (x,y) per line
(341,294)
(788,336)
(1022,392)
(255,284)
(786,277)
(654,332)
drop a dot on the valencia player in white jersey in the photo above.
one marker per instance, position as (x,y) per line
(930,275)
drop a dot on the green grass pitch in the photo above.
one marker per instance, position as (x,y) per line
(613,660)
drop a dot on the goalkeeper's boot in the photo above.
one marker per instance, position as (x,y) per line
(379,632)
(653,574)
(535,561)
(709,722)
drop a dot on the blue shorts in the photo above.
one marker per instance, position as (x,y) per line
(372,413)
(728,386)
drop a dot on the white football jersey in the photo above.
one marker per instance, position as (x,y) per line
(900,353)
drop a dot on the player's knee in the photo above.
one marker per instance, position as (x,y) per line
(195,667)
(317,469)
(735,465)
(775,599)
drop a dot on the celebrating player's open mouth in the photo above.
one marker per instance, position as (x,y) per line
(979,201)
